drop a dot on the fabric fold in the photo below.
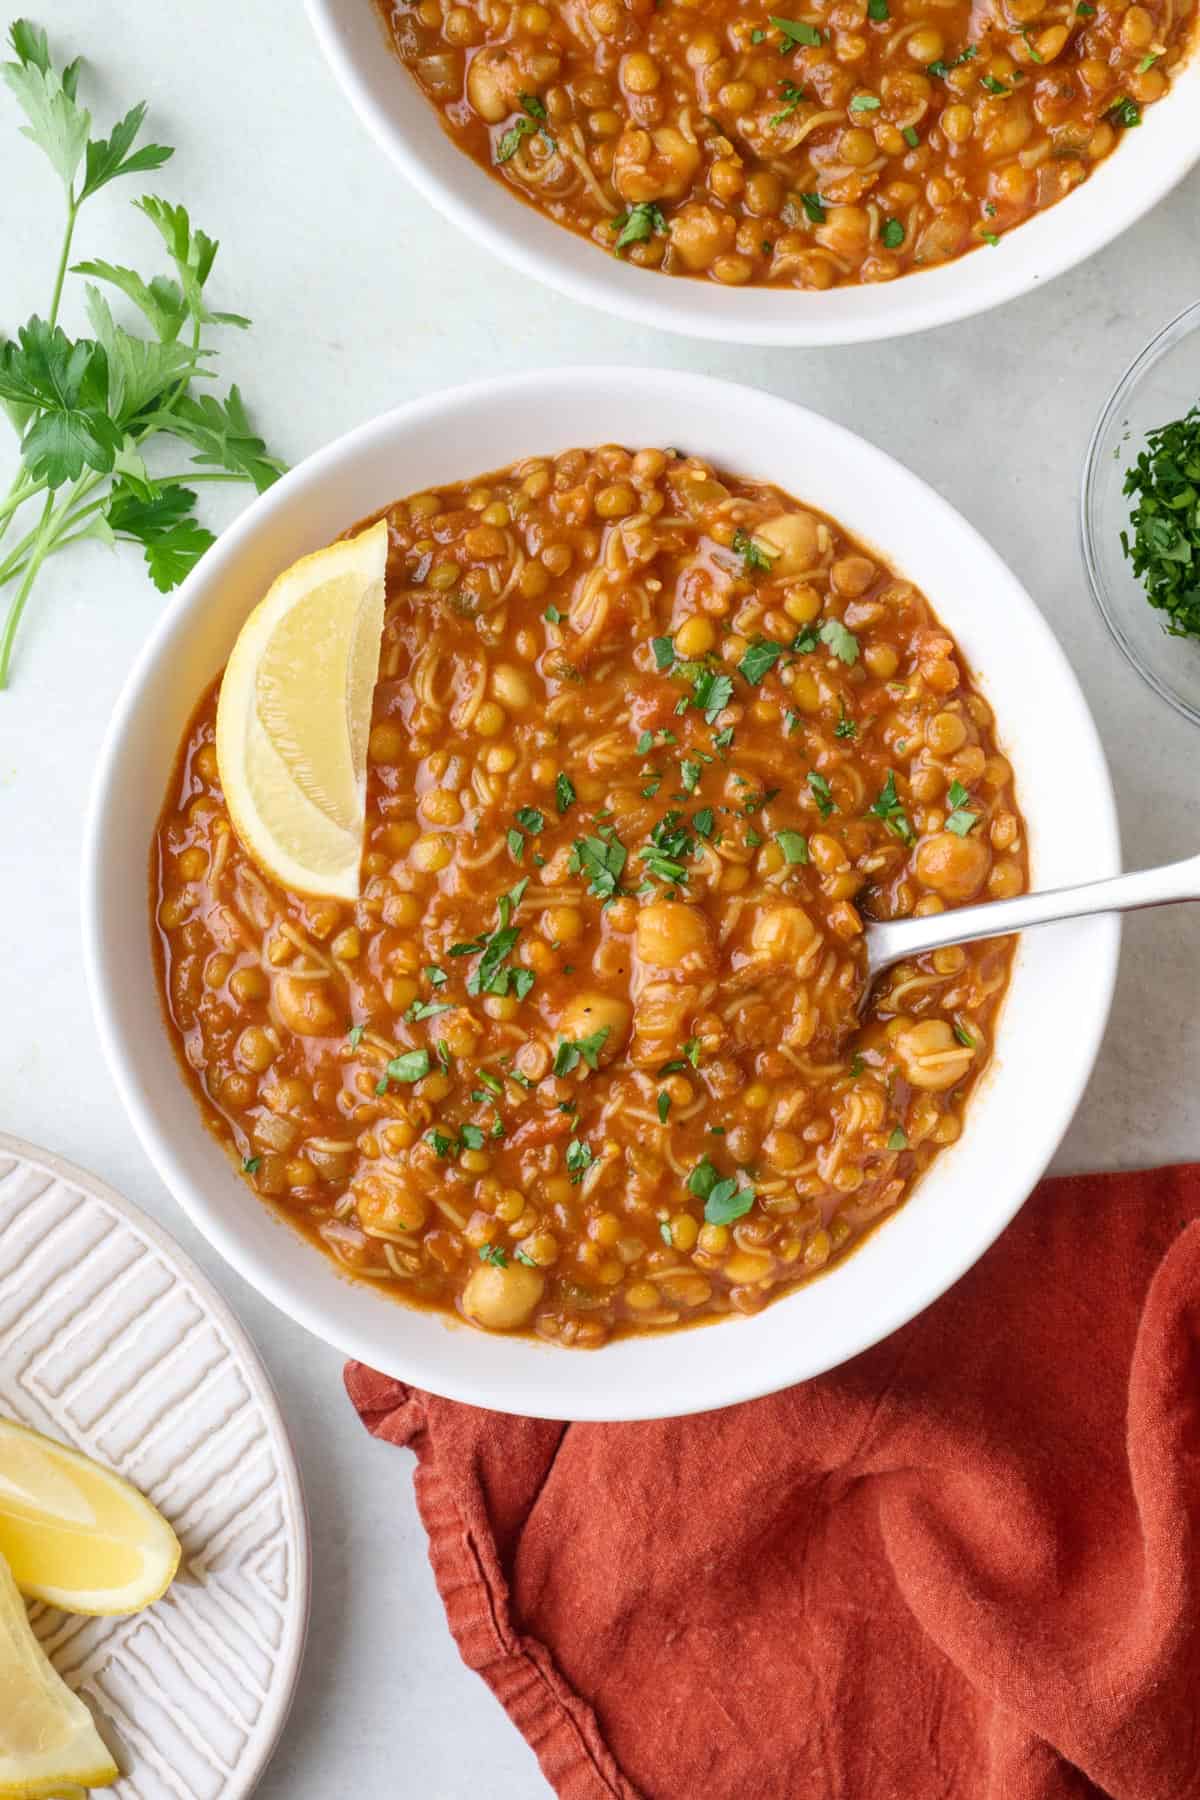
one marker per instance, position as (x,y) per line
(963,1565)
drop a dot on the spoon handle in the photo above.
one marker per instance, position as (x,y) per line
(889,942)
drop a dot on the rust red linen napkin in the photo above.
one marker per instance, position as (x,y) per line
(964,1565)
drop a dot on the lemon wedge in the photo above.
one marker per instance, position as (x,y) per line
(74,1534)
(294,717)
(47,1739)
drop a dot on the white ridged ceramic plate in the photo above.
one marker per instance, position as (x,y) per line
(113,1341)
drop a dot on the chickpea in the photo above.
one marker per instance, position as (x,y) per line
(1137,29)
(945,733)
(925,45)
(384,1203)
(699,233)
(512,687)
(441,807)
(489,720)
(305,1007)
(852,575)
(695,636)
(792,540)
(957,122)
(587,1013)
(782,933)
(846,231)
(764,193)
(640,73)
(954,867)
(658,165)
(562,924)
(494,84)
(247,985)
(670,935)
(1005,880)
(727,178)
(733,271)
(616,502)
(500,1299)
(431,852)
(932,1056)
(255,1050)
(882,660)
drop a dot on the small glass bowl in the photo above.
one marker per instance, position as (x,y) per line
(1161,386)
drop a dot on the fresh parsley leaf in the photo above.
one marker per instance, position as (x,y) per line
(1163,540)
(530,819)
(107,158)
(993,86)
(494,1254)
(795,32)
(172,540)
(723,1200)
(911,136)
(963,1035)
(532,121)
(602,859)
(889,808)
(961,820)
(759,659)
(794,845)
(410,1065)
(843,643)
(845,727)
(251,1165)
(580,1158)
(814,206)
(712,693)
(755,559)
(471,1137)
(516,844)
(442,1144)
(862,103)
(355,1035)
(664,652)
(552,615)
(892,234)
(220,433)
(702,822)
(821,793)
(61,388)
(664,1107)
(564,792)
(792,97)
(898,1139)
(878,10)
(637,224)
(572,1051)
(426,1009)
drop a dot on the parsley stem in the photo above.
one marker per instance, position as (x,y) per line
(36,558)
(64,258)
(23,488)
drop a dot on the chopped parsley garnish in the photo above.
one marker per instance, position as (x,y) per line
(760,659)
(669,841)
(702,822)
(990,237)
(795,32)
(410,1065)
(572,1051)
(821,793)
(792,96)
(757,35)
(530,819)
(355,1034)
(426,1009)
(251,1165)
(1034,55)
(664,652)
(533,121)
(712,693)
(442,1145)
(637,224)
(645,743)
(691,773)
(892,234)
(580,1158)
(963,1035)
(805,641)
(878,10)
(664,1230)
(857,1065)
(1163,544)
(724,1199)
(889,808)
(943,68)
(1125,112)
(845,727)
(602,859)
(912,137)
(1147,62)
(664,1106)
(961,821)
(564,792)
(494,1254)
(814,206)
(790,722)
(754,558)
(993,86)
(843,643)
(516,844)
(490,976)
(898,1139)
(1084,11)
(552,615)
(470,1137)
(865,103)
(794,845)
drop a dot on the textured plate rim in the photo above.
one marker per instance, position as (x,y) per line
(292,1648)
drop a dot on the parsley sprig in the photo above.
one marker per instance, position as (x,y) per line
(85,408)
(1163,543)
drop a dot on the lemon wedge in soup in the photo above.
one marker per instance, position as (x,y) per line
(48,1741)
(294,717)
(74,1534)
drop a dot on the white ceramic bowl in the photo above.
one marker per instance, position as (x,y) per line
(388,101)
(1051,1023)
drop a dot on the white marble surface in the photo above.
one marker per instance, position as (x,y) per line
(362,296)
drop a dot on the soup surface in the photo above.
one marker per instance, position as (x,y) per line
(850,142)
(649,744)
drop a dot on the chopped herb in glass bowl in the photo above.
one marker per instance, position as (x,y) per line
(1140,515)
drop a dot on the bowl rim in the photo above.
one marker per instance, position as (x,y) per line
(1160,345)
(539,1396)
(915,302)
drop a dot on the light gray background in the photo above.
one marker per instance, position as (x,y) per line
(361,297)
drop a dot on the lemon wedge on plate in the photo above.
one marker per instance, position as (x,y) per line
(74,1534)
(47,1739)
(294,717)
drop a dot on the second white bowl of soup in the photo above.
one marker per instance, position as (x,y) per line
(1048,1028)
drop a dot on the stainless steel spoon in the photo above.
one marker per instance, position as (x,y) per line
(898,939)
